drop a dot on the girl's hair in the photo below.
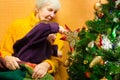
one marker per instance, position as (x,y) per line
(42,3)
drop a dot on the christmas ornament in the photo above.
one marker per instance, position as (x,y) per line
(71,37)
(67,63)
(117,4)
(95,61)
(85,61)
(102,62)
(98,41)
(87,74)
(100,14)
(91,44)
(115,19)
(103,42)
(98,6)
(114,32)
(104,78)
(106,43)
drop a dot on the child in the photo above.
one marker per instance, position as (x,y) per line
(35,47)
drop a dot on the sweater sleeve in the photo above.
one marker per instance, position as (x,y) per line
(16,31)
(7,42)
(54,27)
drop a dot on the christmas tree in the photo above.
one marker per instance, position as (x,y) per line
(96,51)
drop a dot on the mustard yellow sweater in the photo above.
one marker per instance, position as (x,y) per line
(19,29)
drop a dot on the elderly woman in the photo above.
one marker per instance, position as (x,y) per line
(45,10)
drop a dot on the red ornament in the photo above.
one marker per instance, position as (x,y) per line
(102,62)
(98,41)
(100,14)
(87,74)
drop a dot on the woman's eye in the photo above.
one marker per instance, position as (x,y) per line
(55,12)
(50,9)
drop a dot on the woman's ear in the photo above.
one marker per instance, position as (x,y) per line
(36,10)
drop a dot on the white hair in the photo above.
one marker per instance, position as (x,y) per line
(42,3)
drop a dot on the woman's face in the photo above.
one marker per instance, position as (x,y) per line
(47,13)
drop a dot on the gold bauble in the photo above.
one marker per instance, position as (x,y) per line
(98,6)
(95,61)
(66,63)
(85,61)
(104,78)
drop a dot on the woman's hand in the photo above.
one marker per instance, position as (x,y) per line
(11,62)
(40,70)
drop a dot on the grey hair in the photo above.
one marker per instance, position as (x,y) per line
(42,3)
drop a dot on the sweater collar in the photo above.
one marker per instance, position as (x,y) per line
(33,20)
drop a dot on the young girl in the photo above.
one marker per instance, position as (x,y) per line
(35,47)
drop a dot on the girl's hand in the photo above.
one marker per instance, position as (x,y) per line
(62,30)
(51,38)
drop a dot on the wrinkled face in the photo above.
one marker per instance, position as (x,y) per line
(47,12)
